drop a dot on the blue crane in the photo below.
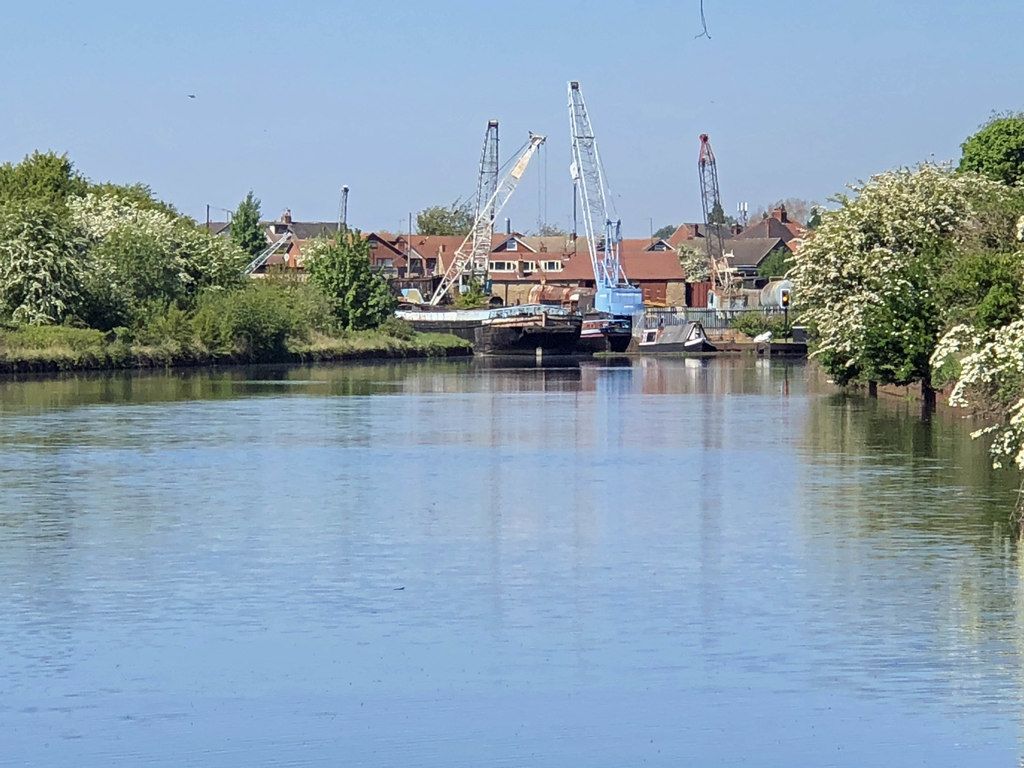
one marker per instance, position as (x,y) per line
(614,295)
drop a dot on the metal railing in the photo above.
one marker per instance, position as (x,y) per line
(711,319)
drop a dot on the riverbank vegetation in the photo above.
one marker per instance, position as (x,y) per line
(918,277)
(105,275)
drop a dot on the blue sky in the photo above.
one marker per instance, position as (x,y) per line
(392,97)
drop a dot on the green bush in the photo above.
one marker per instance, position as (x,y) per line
(50,337)
(398,329)
(163,325)
(340,267)
(473,297)
(253,323)
(310,309)
(756,323)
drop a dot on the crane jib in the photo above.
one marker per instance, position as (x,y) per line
(478,242)
(520,167)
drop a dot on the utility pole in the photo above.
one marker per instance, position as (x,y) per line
(343,214)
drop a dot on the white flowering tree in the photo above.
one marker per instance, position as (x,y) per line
(41,265)
(867,280)
(694,264)
(143,255)
(987,366)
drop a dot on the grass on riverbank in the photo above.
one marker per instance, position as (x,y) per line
(63,348)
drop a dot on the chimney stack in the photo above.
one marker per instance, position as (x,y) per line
(508,226)
(286,217)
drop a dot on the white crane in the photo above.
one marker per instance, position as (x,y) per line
(614,294)
(477,244)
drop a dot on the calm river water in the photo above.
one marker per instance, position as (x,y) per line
(451,564)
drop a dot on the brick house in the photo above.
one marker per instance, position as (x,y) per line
(517,269)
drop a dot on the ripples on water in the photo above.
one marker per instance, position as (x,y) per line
(668,563)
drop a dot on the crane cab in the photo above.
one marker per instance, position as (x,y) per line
(622,302)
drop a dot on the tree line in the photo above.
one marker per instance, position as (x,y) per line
(115,259)
(918,277)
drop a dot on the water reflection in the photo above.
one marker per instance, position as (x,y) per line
(665,561)
(918,497)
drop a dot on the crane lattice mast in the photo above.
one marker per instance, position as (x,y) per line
(477,245)
(487,184)
(712,203)
(614,293)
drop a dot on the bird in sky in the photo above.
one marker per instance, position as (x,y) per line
(191,95)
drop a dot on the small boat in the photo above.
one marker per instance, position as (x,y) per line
(518,330)
(688,336)
(605,333)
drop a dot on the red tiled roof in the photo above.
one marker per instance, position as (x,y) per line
(652,265)
(683,233)
(767,227)
(798,229)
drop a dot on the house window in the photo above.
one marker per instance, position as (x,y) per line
(511,245)
(552,266)
(529,266)
(659,247)
(503,266)
(386,263)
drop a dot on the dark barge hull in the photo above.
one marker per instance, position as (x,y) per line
(605,334)
(512,335)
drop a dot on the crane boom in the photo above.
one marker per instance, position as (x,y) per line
(477,245)
(614,294)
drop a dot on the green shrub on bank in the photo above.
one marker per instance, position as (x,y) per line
(23,337)
(310,309)
(755,323)
(253,323)
(377,343)
(397,328)
(339,266)
(56,347)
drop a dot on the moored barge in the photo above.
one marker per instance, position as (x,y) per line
(519,330)
(688,336)
(605,333)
